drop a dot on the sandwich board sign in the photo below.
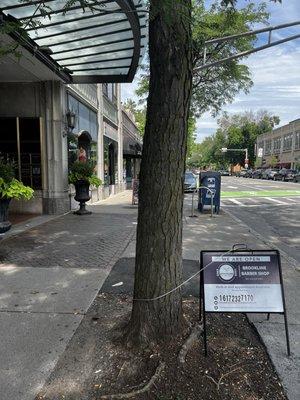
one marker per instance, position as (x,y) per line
(135,191)
(241,281)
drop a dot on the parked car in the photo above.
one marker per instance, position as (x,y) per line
(297,177)
(241,173)
(190,182)
(269,173)
(256,174)
(224,172)
(248,173)
(285,174)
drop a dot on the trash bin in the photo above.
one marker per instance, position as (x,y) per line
(211,180)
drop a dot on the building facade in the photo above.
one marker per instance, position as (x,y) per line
(34,133)
(281,144)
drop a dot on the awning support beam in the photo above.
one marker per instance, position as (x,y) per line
(248,52)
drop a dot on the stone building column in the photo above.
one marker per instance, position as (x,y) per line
(100,144)
(54,149)
(120,139)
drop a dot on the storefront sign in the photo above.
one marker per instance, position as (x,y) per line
(242,283)
(247,281)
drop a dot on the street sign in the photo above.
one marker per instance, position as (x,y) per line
(246,281)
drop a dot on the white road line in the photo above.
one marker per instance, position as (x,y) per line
(262,205)
(255,200)
(236,202)
(292,200)
(275,200)
(232,187)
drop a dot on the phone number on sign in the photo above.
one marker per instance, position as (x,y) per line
(229,298)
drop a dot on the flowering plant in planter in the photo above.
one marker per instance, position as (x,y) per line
(81,171)
(82,176)
(10,188)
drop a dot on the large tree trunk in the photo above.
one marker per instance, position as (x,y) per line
(158,266)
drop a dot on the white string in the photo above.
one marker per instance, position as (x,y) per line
(233,249)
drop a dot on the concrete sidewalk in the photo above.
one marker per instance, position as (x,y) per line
(51,270)
(220,233)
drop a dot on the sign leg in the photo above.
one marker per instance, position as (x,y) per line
(200,297)
(204,334)
(287,335)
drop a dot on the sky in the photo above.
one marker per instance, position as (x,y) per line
(274,71)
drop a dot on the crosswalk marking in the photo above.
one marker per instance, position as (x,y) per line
(236,202)
(275,200)
(293,200)
(260,201)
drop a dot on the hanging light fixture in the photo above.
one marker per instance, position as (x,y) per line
(71,119)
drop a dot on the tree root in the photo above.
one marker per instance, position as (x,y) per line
(146,388)
(218,383)
(193,336)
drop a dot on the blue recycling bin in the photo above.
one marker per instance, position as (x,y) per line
(211,180)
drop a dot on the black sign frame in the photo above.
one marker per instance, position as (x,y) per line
(202,293)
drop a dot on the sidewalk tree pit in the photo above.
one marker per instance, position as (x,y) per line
(82,176)
(10,188)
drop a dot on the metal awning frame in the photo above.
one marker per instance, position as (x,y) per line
(230,38)
(63,72)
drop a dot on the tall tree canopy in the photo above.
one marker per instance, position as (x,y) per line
(218,85)
(238,131)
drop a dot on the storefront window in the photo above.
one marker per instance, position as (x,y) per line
(20,142)
(110,161)
(297,140)
(85,133)
(73,149)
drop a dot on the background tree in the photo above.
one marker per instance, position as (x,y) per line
(139,114)
(238,131)
(216,86)
(273,161)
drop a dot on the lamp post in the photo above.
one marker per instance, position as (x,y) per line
(225,149)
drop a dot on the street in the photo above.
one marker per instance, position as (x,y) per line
(272,209)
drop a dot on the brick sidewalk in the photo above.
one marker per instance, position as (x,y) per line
(90,241)
(49,277)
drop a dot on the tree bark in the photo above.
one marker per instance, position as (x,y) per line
(158,267)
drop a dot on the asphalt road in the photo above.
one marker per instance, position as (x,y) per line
(270,208)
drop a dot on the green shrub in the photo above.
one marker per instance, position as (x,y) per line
(84,171)
(7,170)
(10,187)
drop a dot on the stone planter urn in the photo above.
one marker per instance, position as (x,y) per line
(5,225)
(82,195)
